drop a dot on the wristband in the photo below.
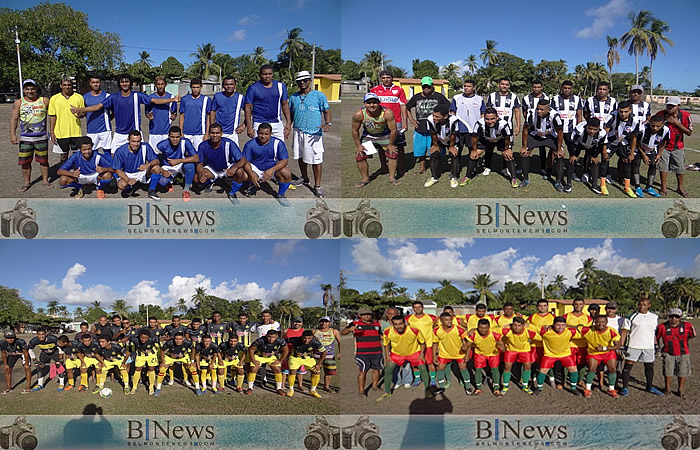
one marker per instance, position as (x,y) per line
(605,349)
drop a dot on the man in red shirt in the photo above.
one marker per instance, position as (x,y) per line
(394,98)
(674,335)
(673,159)
(368,348)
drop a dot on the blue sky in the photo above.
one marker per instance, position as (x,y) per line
(422,263)
(238,27)
(76,272)
(454,32)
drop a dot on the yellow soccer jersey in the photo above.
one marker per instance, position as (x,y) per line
(517,342)
(501,322)
(594,338)
(557,345)
(405,344)
(485,346)
(584,320)
(450,341)
(537,321)
(424,324)
(472,320)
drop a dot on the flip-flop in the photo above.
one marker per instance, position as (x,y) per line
(663,193)
(25,391)
(6,391)
(48,185)
(25,188)
(395,182)
(683,194)
(361,184)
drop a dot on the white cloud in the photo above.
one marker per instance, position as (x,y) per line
(144,292)
(455,243)
(237,36)
(282,250)
(604,17)
(71,292)
(248,20)
(695,270)
(368,258)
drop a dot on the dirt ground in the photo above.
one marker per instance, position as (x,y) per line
(551,401)
(11,176)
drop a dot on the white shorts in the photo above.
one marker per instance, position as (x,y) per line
(640,355)
(216,174)
(257,171)
(138,176)
(277,129)
(173,170)
(101,140)
(196,139)
(154,139)
(308,146)
(233,137)
(119,139)
(88,179)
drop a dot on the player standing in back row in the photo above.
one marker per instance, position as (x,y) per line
(507,106)
(393,98)
(265,102)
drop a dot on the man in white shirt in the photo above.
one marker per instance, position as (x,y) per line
(614,321)
(638,334)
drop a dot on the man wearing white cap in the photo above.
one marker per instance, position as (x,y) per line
(672,337)
(673,159)
(311,117)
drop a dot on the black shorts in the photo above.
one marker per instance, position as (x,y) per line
(45,358)
(366,362)
(622,150)
(593,152)
(483,144)
(67,144)
(400,139)
(12,360)
(534,142)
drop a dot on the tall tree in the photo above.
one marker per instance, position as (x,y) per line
(389,288)
(78,312)
(482,284)
(445,283)
(471,65)
(120,307)
(657,39)
(171,68)
(258,56)
(145,59)
(372,64)
(425,68)
(613,55)
(637,38)
(182,305)
(327,296)
(489,54)
(52,307)
(450,71)
(204,60)
(292,45)
(199,297)
(96,304)
(13,307)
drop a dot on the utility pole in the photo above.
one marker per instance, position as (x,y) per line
(382,61)
(313,64)
(542,277)
(146,314)
(19,61)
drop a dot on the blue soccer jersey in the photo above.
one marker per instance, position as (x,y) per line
(307,110)
(267,102)
(265,156)
(126,160)
(184,150)
(219,158)
(127,110)
(161,115)
(97,121)
(196,111)
(228,111)
(87,166)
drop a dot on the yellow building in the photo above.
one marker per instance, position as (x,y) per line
(329,84)
(412,86)
(559,307)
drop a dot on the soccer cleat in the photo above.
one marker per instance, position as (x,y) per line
(567,188)
(477,392)
(545,176)
(156,392)
(559,386)
(609,180)
(79,193)
(447,384)
(431,181)
(133,391)
(290,392)
(315,394)
(383,396)
(126,390)
(170,382)
(655,391)
(486,172)
(559,187)
(440,390)
(575,178)
(282,199)
(613,393)
(514,183)
(454,183)
(216,391)
(199,392)
(527,390)
(151,391)
(429,393)
(497,393)
(186,197)
(604,190)
(69,388)
(630,193)
(624,392)
(416,382)
(638,192)
(221,389)
(587,393)
(153,195)
(249,391)
(96,390)
(524,183)
(407,385)
(281,392)
(100,194)
(233,199)
(469,390)
(299,182)
(187,383)
(318,192)
(537,391)
(60,389)
(504,391)
(653,192)
(584,178)
(81,388)
(465,181)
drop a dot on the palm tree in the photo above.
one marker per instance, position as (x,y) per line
(389,288)
(613,55)
(489,53)
(182,305)
(288,308)
(657,39)
(637,37)
(591,74)
(686,287)
(204,59)
(41,311)
(96,304)
(52,307)
(78,312)
(420,294)
(145,59)
(471,64)
(293,45)
(258,56)
(120,307)
(327,295)
(401,291)
(170,311)
(372,64)
(445,283)
(586,275)
(342,280)
(482,284)
(450,71)
(62,311)
(199,297)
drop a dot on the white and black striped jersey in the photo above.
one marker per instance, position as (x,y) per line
(641,110)
(544,126)
(567,108)
(443,131)
(493,134)
(600,110)
(621,132)
(504,104)
(529,102)
(583,139)
(649,141)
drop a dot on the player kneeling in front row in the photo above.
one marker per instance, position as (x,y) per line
(177,350)
(302,354)
(114,356)
(85,167)
(179,157)
(516,347)
(485,343)
(220,158)
(449,345)
(271,350)
(444,138)
(403,344)
(268,157)
(12,350)
(146,349)
(232,355)
(543,129)
(70,358)
(136,162)
(603,343)
(207,359)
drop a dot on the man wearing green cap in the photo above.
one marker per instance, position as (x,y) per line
(424,103)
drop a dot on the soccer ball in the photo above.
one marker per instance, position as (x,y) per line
(106,393)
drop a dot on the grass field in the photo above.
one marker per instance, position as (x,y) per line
(492,186)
